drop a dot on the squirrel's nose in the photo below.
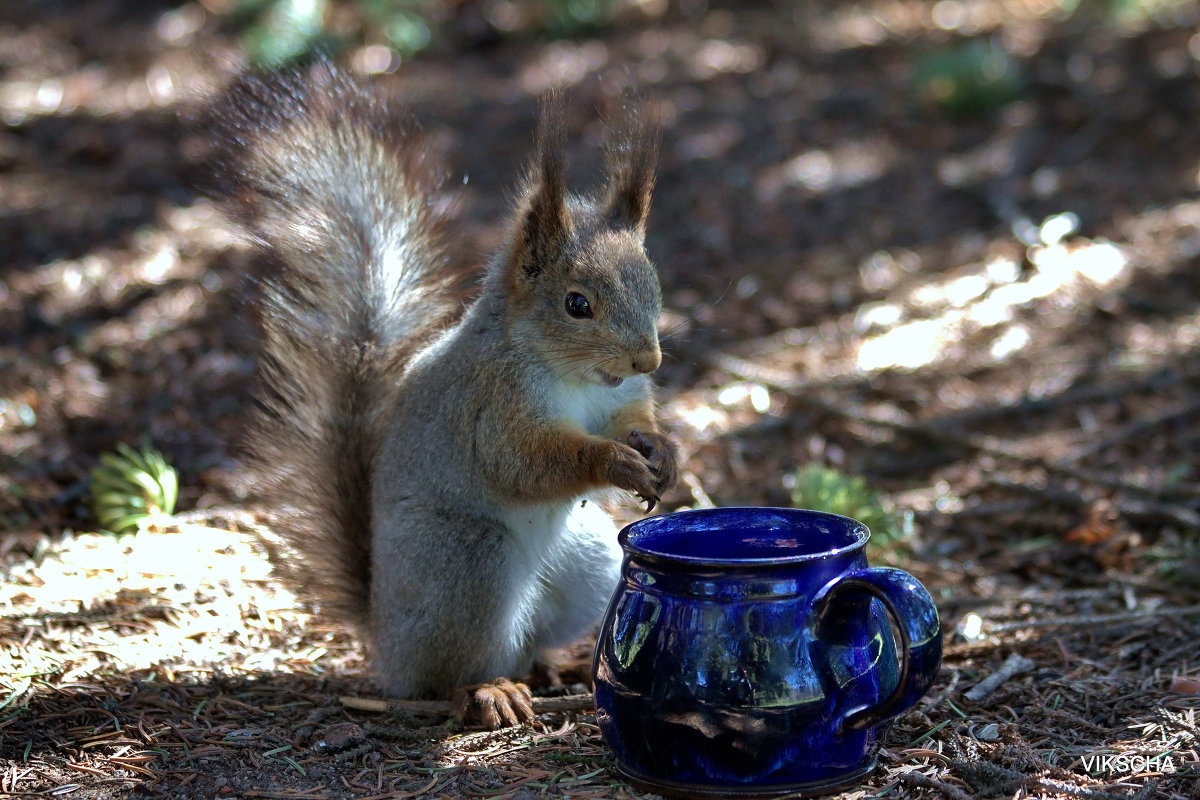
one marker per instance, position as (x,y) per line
(647,361)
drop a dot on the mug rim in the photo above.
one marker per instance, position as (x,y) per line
(860,530)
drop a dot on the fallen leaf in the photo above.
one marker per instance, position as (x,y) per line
(1099,526)
(1185,685)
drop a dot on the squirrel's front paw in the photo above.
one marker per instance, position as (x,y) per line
(496,704)
(629,469)
(662,455)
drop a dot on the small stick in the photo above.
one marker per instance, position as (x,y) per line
(1151,503)
(1061,787)
(1090,620)
(925,782)
(1015,664)
(541,705)
(1131,507)
(1132,430)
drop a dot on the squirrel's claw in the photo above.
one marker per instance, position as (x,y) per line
(628,469)
(662,457)
(650,501)
(497,704)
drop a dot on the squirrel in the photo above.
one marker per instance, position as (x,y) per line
(430,467)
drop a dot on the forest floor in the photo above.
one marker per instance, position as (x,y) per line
(994,319)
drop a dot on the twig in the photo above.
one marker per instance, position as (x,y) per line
(750,371)
(1001,192)
(988,778)
(995,448)
(1178,722)
(935,701)
(925,782)
(1135,428)
(1129,507)
(899,422)
(381,706)
(1061,787)
(1015,664)
(1033,596)
(1159,380)
(788,383)
(238,516)
(541,705)
(1091,620)
(227,520)
(1147,506)
(1002,508)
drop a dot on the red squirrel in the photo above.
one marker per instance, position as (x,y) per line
(430,469)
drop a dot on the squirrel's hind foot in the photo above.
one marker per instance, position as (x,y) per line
(500,703)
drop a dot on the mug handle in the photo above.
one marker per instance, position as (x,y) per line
(920,636)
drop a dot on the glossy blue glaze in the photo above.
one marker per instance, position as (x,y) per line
(747,651)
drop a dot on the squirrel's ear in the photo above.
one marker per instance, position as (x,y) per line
(544,226)
(632,155)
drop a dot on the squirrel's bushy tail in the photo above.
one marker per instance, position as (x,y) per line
(334,184)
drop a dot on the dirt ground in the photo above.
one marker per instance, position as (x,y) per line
(994,319)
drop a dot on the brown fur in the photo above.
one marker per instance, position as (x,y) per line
(631,155)
(431,473)
(545,227)
(335,339)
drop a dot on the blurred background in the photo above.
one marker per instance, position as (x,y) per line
(944,248)
(930,264)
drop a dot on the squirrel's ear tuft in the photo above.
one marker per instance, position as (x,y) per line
(543,225)
(632,155)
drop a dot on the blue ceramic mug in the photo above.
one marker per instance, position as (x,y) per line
(748,653)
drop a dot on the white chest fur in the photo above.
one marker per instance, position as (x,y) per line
(591,407)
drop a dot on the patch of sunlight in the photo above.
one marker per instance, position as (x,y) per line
(717,56)
(197,597)
(1058,267)
(158,265)
(867,24)
(957,292)
(1100,262)
(1146,345)
(1002,270)
(848,165)
(871,316)
(97,91)
(1009,342)
(180,26)
(735,394)
(883,270)
(1058,227)
(981,300)
(94,567)
(563,64)
(909,346)
(701,417)
(374,59)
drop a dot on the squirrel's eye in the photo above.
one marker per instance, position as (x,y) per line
(578,306)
